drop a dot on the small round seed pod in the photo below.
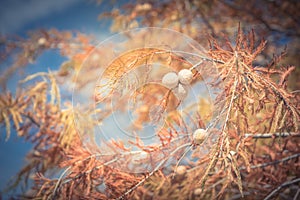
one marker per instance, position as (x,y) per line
(180,174)
(42,41)
(170,80)
(199,136)
(181,92)
(197,191)
(185,76)
(181,171)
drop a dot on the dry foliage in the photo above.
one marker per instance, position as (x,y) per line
(256,149)
(273,20)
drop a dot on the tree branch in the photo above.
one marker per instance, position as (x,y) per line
(273,162)
(271,135)
(31,119)
(282,186)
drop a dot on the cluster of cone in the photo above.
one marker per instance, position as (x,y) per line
(178,82)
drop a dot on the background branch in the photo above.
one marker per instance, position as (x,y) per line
(272,163)
(270,135)
(282,186)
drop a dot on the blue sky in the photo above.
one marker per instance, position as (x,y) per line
(18,17)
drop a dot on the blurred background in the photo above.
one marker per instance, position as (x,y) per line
(276,21)
(17,18)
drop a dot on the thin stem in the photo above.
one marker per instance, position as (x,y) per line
(89,171)
(31,119)
(270,135)
(272,163)
(228,112)
(297,194)
(67,169)
(217,183)
(285,184)
(183,155)
(295,91)
(59,181)
(196,65)
(233,96)
(152,172)
(202,57)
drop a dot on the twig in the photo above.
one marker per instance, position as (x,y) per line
(272,163)
(295,91)
(297,194)
(59,181)
(235,84)
(270,135)
(281,186)
(31,119)
(200,56)
(152,172)
(183,155)
(217,183)
(90,171)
